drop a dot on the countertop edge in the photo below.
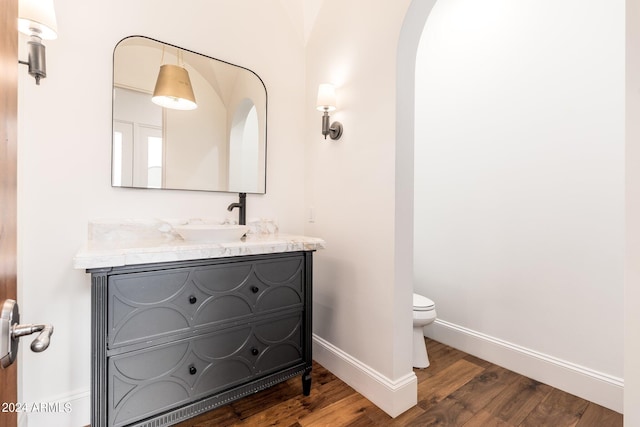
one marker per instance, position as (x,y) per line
(97,255)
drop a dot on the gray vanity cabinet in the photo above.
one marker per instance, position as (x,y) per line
(173,340)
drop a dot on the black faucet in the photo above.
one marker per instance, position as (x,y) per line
(242,205)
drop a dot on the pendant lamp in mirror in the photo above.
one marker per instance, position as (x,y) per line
(173,88)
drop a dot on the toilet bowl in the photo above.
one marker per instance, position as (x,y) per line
(424,312)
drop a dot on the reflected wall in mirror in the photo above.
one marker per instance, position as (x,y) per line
(219,146)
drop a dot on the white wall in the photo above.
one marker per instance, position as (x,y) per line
(632,259)
(65,159)
(362,316)
(519,192)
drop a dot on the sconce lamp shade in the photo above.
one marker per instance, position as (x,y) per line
(326,97)
(37,17)
(173,88)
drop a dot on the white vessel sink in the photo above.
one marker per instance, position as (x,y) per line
(213,233)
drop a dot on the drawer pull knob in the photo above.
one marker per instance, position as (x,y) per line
(254,289)
(254,351)
(192,370)
(192,299)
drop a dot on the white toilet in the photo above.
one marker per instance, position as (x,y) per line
(424,312)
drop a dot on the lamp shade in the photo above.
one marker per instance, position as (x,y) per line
(173,88)
(37,17)
(326,97)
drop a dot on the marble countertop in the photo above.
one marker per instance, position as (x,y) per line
(101,251)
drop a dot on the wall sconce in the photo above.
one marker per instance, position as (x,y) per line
(327,102)
(37,19)
(173,87)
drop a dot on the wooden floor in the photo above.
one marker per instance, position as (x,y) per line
(456,390)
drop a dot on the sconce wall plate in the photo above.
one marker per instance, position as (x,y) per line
(334,130)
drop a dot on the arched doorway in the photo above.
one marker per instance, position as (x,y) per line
(526,154)
(412,27)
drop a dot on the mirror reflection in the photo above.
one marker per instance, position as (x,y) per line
(218,146)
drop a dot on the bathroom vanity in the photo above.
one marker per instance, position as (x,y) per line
(180,328)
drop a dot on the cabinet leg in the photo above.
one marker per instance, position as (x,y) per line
(306,382)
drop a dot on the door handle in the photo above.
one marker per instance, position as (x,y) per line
(11,331)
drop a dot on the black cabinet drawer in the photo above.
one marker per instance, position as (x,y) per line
(157,379)
(149,305)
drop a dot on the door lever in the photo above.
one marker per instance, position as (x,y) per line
(41,342)
(11,331)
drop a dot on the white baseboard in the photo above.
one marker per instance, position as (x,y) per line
(72,410)
(597,387)
(393,397)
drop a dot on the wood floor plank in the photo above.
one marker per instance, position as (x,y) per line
(557,409)
(433,390)
(598,416)
(222,417)
(447,412)
(457,390)
(364,421)
(485,419)
(476,360)
(259,402)
(291,409)
(340,413)
(483,388)
(440,357)
(286,413)
(516,401)
(378,417)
